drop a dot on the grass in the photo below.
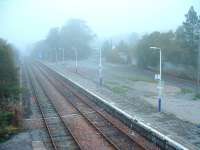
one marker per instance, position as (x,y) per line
(186,91)
(6,127)
(117,88)
(112,83)
(196,97)
(134,77)
(7,132)
(140,78)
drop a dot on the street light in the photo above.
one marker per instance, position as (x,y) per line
(100,66)
(76,61)
(159,77)
(56,55)
(63,54)
(100,69)
(60,54)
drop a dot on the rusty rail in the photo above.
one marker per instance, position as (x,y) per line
(71,131)
(40,109)
(114,134)
(53,143)
(147,132)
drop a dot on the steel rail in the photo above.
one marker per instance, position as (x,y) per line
(40,109)
(83,101)
(60,117)
(100,132)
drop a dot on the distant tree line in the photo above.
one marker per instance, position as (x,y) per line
(9,87)
(75,35)
(178,48)
(120,53)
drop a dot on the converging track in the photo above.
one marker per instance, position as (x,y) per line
(59,135)
(73,121)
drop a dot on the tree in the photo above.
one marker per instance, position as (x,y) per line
(182,44)
(146,56)
(111,53)
(123,48)
(9,86)
(9,89)
(43,50)
(191,36)
(53,38)
(76,34)
(106,48)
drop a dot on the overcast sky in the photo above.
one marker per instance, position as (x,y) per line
(25,21)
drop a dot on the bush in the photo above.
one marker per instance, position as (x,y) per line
(114,57)
(9,90)
(5,118)
(6,124)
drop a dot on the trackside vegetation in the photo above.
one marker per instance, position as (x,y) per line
(9,90)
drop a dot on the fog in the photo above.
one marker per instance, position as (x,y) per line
(99,74)
(24,22)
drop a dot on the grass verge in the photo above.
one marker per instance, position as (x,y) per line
(140,78)
(196,97)
(7,127)
(186,91)
(117,88)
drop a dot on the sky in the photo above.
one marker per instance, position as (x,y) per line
(23,22)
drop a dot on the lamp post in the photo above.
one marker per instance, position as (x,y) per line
(60,54)
(159,77)
(76,57)
(63,55)
(100,69)
(56,55)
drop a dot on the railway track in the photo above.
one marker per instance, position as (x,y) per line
(115,133)
(85,138)
(60,137)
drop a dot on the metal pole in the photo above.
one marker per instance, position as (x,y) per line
(75,50)
(160,64)
(160,80)
(160,84)
(56,55)
(63,50)
(100,69)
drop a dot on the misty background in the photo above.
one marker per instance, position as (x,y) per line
(111,46)
(24,22)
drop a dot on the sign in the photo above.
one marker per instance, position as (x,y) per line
(157,76)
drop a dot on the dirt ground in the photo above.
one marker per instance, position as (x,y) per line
(135,92)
